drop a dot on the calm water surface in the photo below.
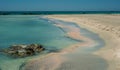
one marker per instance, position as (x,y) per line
(20,29)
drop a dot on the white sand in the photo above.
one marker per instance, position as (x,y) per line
(108,27)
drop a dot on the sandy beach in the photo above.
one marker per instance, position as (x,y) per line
(108,27)
(53,61)
(60,35)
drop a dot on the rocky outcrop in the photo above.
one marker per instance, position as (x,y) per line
(24,50)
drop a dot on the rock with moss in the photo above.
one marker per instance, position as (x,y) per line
(24,50)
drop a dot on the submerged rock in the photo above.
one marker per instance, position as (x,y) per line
(24,50)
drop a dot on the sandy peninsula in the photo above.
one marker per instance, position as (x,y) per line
(55,60)
(107,26)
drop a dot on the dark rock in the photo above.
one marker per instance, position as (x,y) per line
(24,50)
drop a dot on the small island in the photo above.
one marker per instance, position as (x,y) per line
(23,50)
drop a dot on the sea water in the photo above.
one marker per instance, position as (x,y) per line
(20,29)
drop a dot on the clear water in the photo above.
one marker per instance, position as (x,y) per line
(16,29)
(20,29)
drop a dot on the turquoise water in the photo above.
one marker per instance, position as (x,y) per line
(21,29)
(26,30)
(30,29)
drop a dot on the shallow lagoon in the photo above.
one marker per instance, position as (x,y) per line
(17,29)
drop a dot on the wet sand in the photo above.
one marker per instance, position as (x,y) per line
(108,27)
(71,57)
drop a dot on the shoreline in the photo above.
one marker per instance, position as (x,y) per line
(73,33)
(111,50)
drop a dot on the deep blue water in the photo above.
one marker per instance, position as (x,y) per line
(55,12)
